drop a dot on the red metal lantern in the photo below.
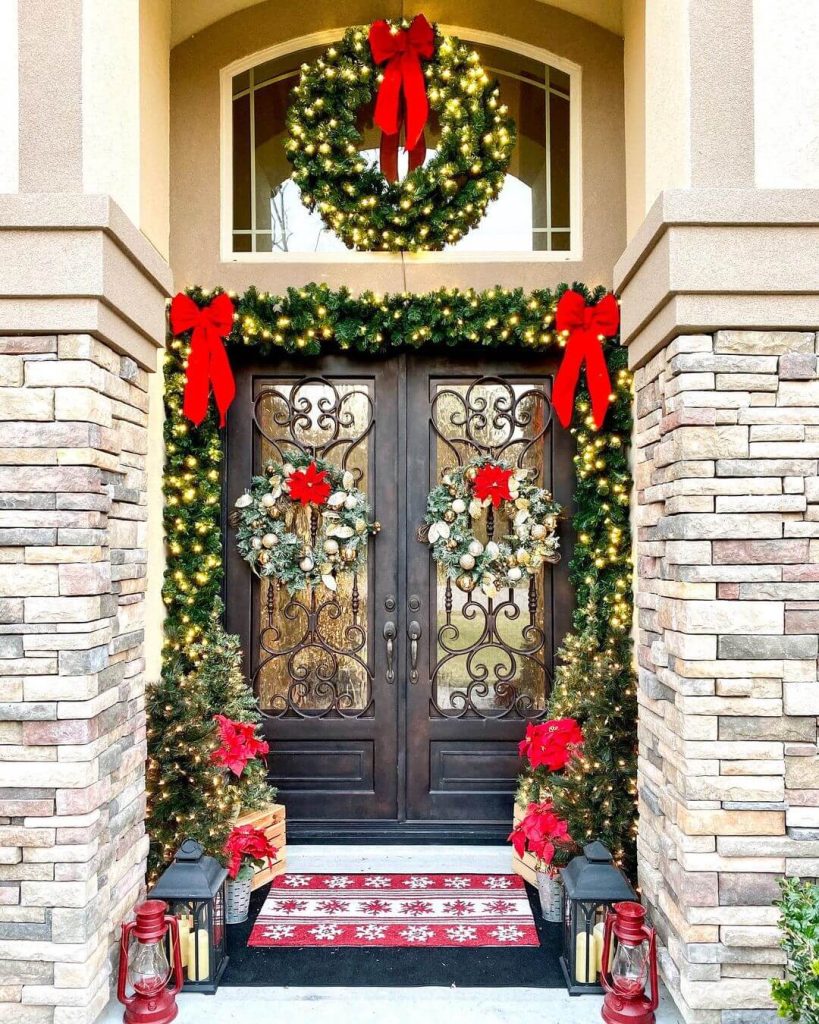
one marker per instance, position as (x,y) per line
(624,977)
(143,964)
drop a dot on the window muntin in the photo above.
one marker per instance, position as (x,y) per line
(532,213)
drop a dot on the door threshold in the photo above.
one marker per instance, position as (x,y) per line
(395,833)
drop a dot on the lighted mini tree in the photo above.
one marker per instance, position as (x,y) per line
(189,795)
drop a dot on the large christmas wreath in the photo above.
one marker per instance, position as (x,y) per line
(303,523)
(485,489)
(414,68)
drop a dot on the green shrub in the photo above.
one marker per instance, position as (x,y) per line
(797,996)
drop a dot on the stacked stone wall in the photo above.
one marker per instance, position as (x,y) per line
(727,551)
(73,443)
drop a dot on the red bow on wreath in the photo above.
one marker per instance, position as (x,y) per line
(585,324)
(208,364)
(402,51)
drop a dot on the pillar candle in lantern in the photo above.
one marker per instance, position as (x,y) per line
(585,958)
(198,967)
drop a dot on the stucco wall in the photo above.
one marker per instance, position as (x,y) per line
(195,143)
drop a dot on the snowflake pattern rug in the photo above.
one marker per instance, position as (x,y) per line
(395,910)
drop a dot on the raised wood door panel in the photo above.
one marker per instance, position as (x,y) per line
(484,665)
(317,660)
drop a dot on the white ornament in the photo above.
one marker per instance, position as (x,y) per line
(306,564)
(350,502)
(538,531)
(475,548)
(492,549)
(287,469)
(438,531)
(475,508)
(521,516)
(348,480)
(345,532)
(268,500)
(270,540)
(329,581)
(337,499)
(458,506)
(331,546)
(244,501)
(466,562)
(514,574)
(255,543)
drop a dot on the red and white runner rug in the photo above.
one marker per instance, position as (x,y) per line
(395,910)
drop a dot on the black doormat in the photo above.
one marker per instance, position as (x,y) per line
(516,967)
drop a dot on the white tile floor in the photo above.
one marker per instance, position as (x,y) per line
(391,1005)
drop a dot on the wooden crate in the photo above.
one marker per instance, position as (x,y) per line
(525,867)
(272,820)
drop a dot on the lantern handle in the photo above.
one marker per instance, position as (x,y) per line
(122,973)
(176,953)
(651,935)
(605,974)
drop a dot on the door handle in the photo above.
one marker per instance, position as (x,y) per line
(390,633)
(414,632)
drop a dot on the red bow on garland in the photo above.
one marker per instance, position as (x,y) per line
(585,325)
(402,52)
(208,364)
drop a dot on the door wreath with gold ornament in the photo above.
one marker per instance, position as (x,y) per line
(304,523)
(481,491)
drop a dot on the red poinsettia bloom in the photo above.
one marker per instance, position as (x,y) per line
(551,744)
(239,744)
(492,482)
(246,846)
(540,832)
(309,485)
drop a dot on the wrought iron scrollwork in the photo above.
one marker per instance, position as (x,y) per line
(494,419)
(316,640)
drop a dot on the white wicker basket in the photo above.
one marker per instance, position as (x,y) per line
(550,890)
(237,900)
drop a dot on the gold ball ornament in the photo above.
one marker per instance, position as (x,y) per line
(451,544)
(264,557)
(470,474)
(449,516)
(465,582)
(348,554)
(522,556)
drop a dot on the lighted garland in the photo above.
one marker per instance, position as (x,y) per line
(317,318)
(433,205)
(303,523)
(480,491)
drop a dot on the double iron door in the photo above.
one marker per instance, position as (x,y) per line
(396,705)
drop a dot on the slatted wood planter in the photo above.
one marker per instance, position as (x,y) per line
(272,820)
(526,867)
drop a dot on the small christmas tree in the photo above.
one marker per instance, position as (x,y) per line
(189,795)
(596,793)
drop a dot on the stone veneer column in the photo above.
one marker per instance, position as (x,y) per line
(73,511)
(727,449)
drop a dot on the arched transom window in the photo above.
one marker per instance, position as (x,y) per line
(536,212)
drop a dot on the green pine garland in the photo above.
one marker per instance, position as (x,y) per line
(431,206)
(316,318)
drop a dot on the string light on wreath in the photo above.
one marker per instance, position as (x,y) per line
(303,523)
(481,492)
(409,67)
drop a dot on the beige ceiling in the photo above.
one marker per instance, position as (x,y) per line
(191,16)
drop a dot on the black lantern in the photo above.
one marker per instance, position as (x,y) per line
(193,886)
(591,884)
